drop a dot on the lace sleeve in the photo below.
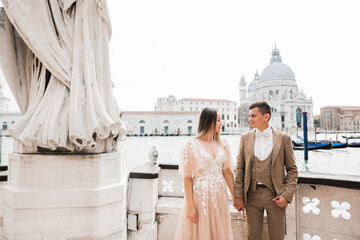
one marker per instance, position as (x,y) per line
(229,163)
(187,163)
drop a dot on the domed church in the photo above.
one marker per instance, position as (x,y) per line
(277,86)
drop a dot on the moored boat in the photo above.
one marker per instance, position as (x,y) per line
(338,144)
(354,144)
(351,137)
(335,144)
(311,146)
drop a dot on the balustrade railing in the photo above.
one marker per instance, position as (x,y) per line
(325,207)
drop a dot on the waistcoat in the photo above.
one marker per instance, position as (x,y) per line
(261,173)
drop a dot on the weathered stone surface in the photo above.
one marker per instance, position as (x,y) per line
(59,75)
(65,196)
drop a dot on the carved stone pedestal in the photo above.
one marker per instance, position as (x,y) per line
(65,196)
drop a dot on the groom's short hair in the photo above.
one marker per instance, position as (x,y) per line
(262,106)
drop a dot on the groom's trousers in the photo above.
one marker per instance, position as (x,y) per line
(257,201)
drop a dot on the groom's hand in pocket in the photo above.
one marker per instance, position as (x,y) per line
(280,201)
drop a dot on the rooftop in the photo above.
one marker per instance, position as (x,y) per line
(354,108)
(158,113)
(356,118)
(205,100)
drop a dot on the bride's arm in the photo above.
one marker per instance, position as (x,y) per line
(229,178)
(190,211)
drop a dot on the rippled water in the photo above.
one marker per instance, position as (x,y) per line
(336,161)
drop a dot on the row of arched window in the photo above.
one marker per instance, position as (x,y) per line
(165,121)
(298,116)
(271,93)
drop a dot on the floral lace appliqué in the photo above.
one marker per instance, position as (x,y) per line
(209,179)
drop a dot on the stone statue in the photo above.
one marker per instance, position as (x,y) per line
(153,155)
(55,57)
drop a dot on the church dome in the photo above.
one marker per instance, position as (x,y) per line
(276,69)
(253,85)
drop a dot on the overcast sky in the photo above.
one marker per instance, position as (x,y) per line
(200,48)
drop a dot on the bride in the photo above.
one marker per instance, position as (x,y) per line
(206,167)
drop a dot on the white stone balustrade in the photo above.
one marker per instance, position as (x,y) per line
(142,200)
(3,181)
(333,211)
(324,207)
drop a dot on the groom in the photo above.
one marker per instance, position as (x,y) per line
(261,181)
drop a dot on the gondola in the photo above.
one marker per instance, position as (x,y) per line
(354,144)
(351,137)
(311,146)
(335,144)
(338,144)
(297,144)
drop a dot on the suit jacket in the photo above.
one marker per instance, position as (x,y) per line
(282,158)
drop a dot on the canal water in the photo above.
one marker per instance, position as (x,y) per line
(335,161)
(344,161)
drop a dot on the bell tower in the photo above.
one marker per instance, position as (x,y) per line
(242,89)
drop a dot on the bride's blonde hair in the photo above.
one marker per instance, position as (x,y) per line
(207,124)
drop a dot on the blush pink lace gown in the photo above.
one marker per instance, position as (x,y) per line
(210,193)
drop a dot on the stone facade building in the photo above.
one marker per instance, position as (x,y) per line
(7,118)
(277,86)
(339,117)
(316,120)
(350,123)
(160,122)
(226,108)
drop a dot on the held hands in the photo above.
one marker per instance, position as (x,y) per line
(280,201)
(238,203)
(191,214)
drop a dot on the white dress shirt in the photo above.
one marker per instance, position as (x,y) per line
(263,144)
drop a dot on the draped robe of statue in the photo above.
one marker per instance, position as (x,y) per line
(55,57)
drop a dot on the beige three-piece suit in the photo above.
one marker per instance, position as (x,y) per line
(278,176)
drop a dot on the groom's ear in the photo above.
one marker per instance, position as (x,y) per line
(267,116)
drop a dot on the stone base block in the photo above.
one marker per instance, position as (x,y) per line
(118,236)
(63,223)
(65,196)
(144,234)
